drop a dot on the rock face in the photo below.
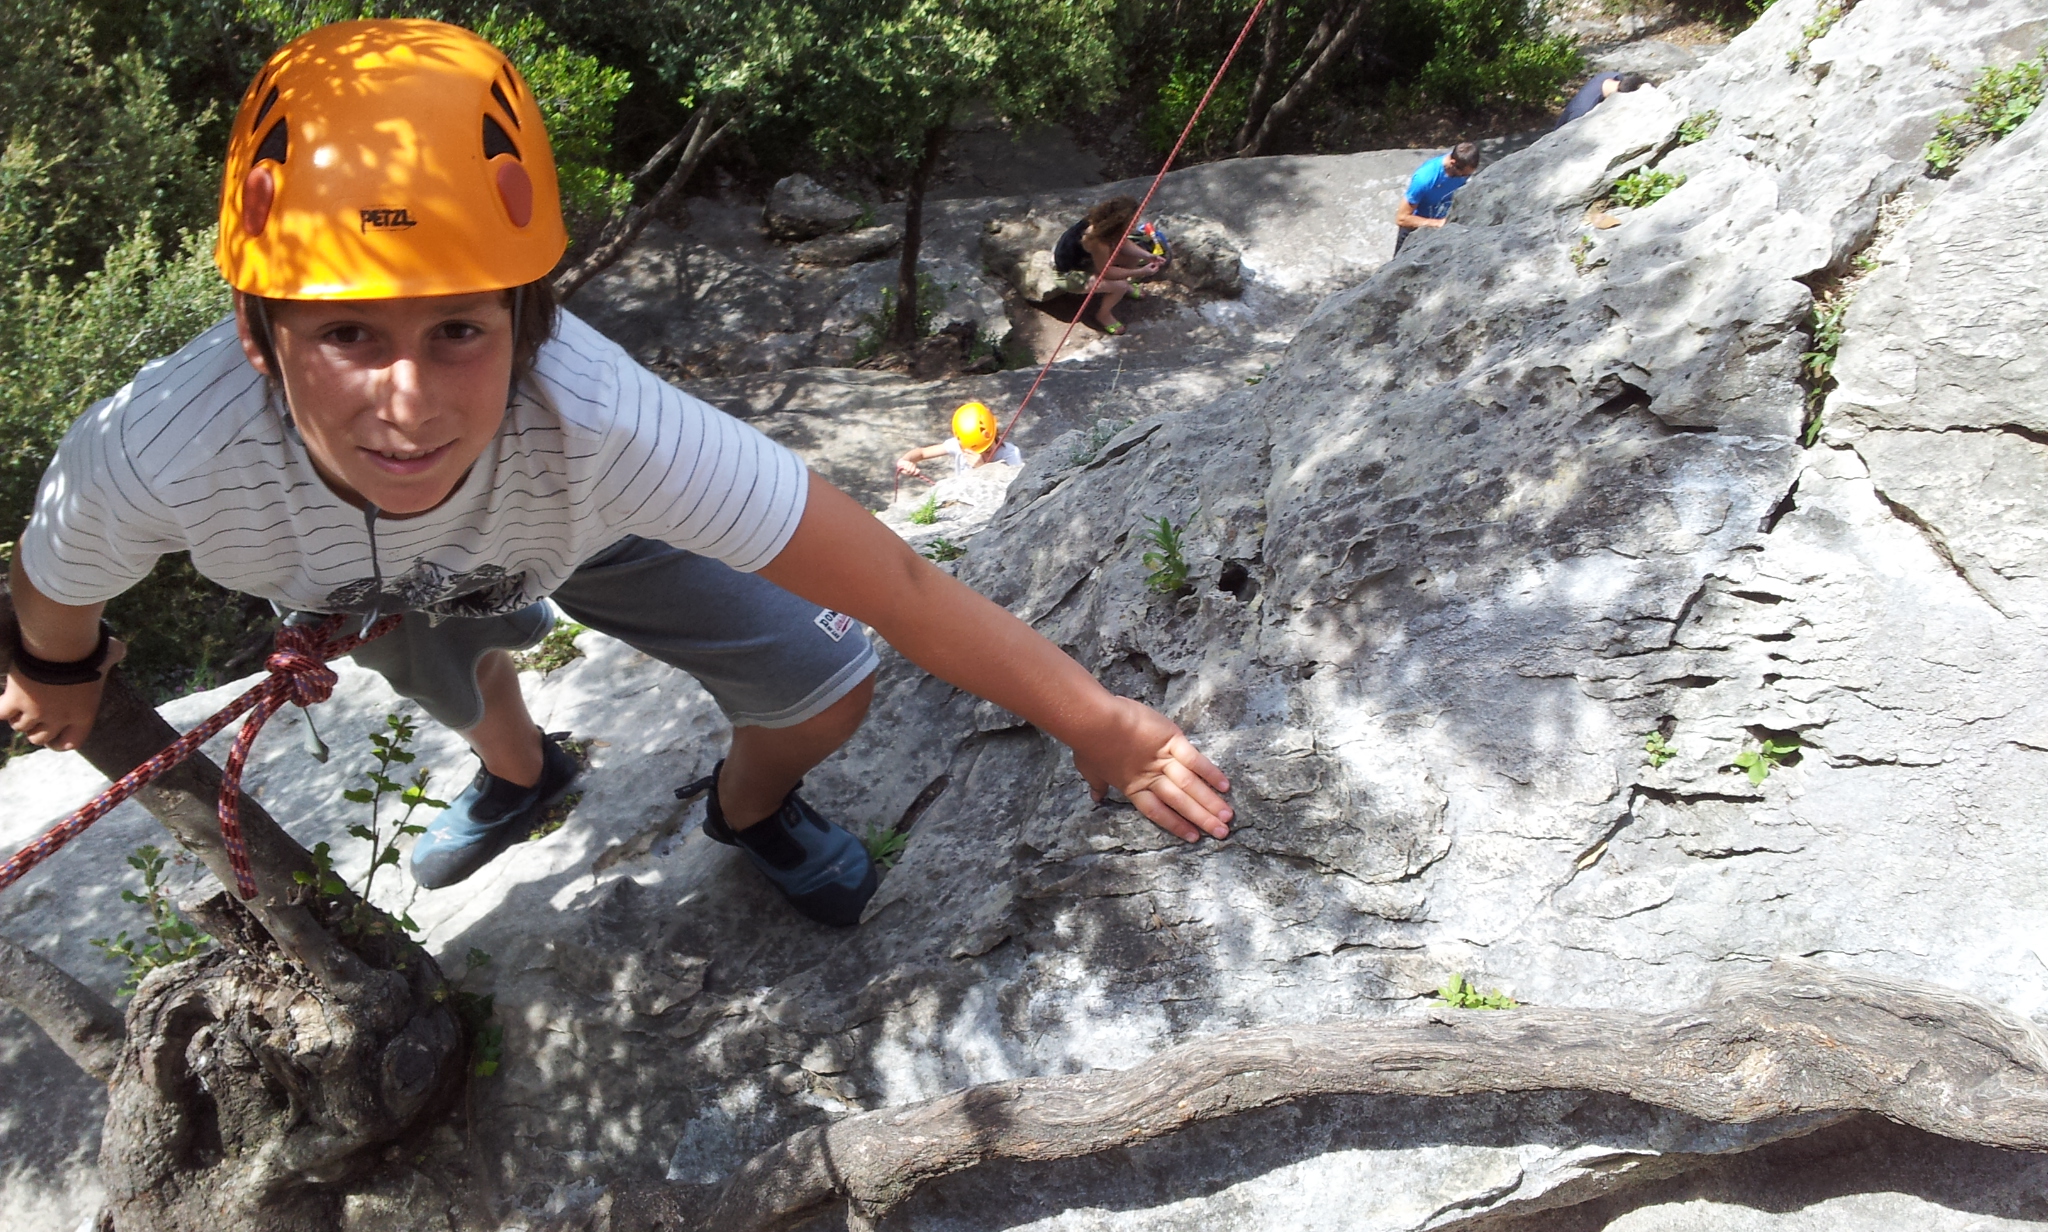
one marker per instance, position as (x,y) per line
(1510,504)
(800,208)
(852,248)
(1019,250)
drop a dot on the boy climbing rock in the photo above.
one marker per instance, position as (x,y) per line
(974,443)
(398,419)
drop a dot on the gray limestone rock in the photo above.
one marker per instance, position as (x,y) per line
(1019,250)
(1508,504)
(850,248)
(800,208)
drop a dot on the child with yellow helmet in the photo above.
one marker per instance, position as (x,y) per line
(976,441)
(398,419)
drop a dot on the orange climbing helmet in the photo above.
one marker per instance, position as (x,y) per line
(388,158)
(974,426)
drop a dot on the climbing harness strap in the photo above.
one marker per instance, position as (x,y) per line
(1163,169)
(298,673)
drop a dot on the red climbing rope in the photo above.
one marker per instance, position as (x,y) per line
(1164,167)
(298,673)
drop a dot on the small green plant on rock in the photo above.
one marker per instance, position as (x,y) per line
(2000,102)
(1102,433)
(1169,571)
(1767,756)
(478,1014)
(169,937)
(940,551)
(557,649)
(390,748)
(1830,313)
(1460,993)
(927,513)
(1580,251)
(1823,20)
(1698,126)
(885,846)
(1645,187)
(1658,749)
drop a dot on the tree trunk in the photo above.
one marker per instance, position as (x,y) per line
(1798,1039)
(1311,78)
(1269,72)
(75,1017)
(616,239)
(254,1077)
(903,329)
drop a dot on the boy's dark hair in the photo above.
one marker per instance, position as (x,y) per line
(1465,154)
(1110,221)
(1629,82)
(534,316)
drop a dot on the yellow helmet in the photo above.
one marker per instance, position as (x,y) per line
(389,158)
(974,426)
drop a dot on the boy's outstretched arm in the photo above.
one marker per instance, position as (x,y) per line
(841,557)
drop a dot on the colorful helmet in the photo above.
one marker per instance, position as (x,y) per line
(974,426)
(378,159)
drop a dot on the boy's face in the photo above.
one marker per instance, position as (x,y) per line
(395,398)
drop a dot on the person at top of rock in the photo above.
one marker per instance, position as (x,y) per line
(1099,242)
(974,443)
(1427,201)
(397,420)
(1597,91)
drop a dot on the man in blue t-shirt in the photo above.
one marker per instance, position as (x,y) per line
(1597,91)
(1428,199)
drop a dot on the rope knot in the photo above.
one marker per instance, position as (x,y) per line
(299,666)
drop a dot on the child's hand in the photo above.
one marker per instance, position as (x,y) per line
(904,466)
(1146,756)
(56,716)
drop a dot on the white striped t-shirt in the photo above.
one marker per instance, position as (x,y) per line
(195,455)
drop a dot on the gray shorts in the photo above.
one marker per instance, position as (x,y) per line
(768,658)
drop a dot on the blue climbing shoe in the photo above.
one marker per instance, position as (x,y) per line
(489,816)
(822,870)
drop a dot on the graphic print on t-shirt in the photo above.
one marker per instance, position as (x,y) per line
(486,590)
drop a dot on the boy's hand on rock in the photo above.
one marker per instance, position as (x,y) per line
(57,716)
(1146,756)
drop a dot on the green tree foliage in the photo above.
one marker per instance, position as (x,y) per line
(1311,55)
(889,77)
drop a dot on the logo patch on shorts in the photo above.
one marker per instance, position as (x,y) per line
(835,624)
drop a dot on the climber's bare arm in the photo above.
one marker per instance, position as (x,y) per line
(1407,219)
(842,558)
(1133,256)
(54,716)
(907,464)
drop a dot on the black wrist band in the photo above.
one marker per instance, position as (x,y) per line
(43,671)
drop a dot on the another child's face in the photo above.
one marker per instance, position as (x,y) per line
(395,398)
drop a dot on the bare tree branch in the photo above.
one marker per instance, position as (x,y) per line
(1310,78)
(668,148)
(618,239)
(1799,1038)
(1270,60)
(80,1021)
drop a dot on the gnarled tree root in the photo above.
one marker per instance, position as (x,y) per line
(1798,1038)
(246,1090)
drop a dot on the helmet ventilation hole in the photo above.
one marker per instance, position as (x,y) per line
(276,143)
(509,113)
(269,101)
(496,140)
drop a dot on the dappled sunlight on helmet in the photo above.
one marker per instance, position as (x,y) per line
(389,158)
